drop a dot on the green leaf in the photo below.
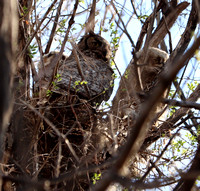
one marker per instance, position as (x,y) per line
(76,83)
(96,177)
(49,93)
(83,82)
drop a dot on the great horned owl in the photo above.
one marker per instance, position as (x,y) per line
(138,79)
(86,72)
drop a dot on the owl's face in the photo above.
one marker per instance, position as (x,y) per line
(97,45)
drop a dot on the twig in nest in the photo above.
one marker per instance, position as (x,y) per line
(54,129)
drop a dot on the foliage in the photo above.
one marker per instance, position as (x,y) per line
(95,178)
(79,83)
(33,50)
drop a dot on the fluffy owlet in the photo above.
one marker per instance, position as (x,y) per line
(85,73)
(150,65)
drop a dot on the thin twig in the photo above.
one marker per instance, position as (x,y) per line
(135,11)
(159,157)
(54,27)
(124,27)
(59,158)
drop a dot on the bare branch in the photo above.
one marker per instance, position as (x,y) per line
(187,35)
(187,104)
(54,27)
(90,25)
(161,31)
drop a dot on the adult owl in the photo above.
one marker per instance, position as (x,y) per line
(85,73)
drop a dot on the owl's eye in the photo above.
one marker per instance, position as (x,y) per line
(95,43)
(99,43)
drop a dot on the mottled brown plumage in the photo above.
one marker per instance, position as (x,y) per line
(86,72)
